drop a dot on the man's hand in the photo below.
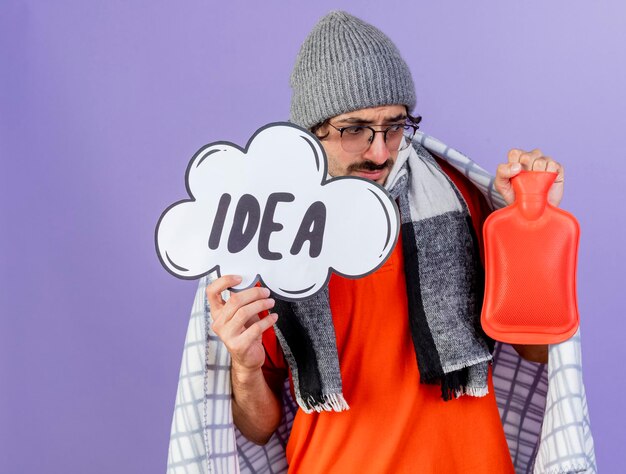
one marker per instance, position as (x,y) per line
(237,324)
(256,408)
(519,160)
(534,160)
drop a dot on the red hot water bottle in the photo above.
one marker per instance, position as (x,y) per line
(531,249)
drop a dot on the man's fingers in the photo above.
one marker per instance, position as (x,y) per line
(238,321)
(255,331)
(545,163)
(530,161)
(539,164)
(514,154)
(236,301)
(243,298)
(560,177)
(505,171)
(527,160)
(502,183)
(553,166)
(214,290)
(533,160)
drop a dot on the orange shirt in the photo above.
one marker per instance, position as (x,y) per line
(395,424)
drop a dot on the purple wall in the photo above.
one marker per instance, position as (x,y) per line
(102,104)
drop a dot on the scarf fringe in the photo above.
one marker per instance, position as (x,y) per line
(455,385)
(330,402)
(474,391)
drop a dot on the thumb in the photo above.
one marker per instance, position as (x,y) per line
(502,182)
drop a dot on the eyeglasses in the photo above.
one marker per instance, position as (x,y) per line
(358,138)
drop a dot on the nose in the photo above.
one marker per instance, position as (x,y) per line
(377,151)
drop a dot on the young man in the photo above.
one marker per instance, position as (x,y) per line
(413,361)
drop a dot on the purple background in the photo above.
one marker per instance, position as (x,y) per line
(102,104)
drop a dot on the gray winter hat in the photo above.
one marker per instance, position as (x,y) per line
(346,64)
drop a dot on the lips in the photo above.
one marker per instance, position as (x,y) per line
(373,175)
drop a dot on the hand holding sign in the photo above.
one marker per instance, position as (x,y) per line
(269,212)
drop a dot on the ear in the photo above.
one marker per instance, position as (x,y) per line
(320,130)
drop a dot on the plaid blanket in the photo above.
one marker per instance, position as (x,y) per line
(543,410)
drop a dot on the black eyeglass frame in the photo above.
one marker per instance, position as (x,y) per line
(409,123)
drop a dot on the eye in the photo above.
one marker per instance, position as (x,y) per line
(354,131)
(396,129)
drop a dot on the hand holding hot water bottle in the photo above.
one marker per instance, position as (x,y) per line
(531,250)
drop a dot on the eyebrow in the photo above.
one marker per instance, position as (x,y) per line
(362,121)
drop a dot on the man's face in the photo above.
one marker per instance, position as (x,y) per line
(376,161)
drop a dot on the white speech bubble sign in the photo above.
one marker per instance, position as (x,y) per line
(269,212)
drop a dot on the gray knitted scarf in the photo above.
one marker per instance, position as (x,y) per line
(444,284)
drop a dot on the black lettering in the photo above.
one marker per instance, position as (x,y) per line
(268,225)
(218,223)
(248,213)
(311,229)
